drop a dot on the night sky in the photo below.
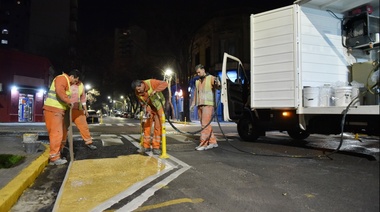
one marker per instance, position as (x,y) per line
(96,16)
(165,21)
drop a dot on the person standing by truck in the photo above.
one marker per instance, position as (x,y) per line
(204,99)
(56,104)
(149,93)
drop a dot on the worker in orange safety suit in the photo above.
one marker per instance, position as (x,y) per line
(149,93)
(55,106)
(204,99)
(79,112)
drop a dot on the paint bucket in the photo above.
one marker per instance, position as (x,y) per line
(32,147)
(342,95)
(27,137)
(325,96)
(355,94)
(310,96)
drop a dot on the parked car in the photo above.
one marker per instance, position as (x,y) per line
(118,113)
(125,115)
(92,117)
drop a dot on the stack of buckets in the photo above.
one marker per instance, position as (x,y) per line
(31,144)
(326,96)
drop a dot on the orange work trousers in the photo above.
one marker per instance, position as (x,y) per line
(155,118)
(57,131)
(79,118)
(207,135)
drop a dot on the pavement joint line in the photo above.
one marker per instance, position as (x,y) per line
(14,189)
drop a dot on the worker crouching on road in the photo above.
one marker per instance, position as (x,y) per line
(204,99)
(55,106)
(149,93)
(80,113)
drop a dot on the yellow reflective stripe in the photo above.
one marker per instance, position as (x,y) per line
(154,99)
(53,100)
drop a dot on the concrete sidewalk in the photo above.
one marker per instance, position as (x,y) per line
(13,181)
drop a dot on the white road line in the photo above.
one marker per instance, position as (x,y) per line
(108,135)
(138,201)
(112,141)
(135,187)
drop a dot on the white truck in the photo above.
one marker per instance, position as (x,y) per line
(314,68)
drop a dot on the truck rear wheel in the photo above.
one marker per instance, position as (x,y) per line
(246,130)
(298,134)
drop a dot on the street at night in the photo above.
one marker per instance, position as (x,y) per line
(274,173)
(202,105)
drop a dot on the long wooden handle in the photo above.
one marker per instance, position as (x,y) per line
(70,134)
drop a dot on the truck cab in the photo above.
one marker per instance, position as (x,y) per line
(314,68)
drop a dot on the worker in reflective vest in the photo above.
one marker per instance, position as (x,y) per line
(149,93)
(55,106)
(80,113)
(204,99)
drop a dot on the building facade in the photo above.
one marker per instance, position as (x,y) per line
(31,31)
(23,85)
(227,33)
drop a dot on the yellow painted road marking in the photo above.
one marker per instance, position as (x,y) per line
(169,203)
(94,181)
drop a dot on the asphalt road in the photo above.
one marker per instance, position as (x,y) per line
(273,174)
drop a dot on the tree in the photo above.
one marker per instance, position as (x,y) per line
(91,98)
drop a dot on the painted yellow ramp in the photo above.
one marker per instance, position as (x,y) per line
(91,182)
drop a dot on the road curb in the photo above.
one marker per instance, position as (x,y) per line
(14,189)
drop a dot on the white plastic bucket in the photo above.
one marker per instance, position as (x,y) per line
(355,93)
(342,96)
(325,96)
(311,96)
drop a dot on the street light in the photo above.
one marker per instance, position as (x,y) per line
(168,77)
(168,73)
(87,86)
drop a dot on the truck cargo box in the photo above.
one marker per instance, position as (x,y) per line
(295,52)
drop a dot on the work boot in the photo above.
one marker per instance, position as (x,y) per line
(200,148)
(210,146)
(157,152)
(91,146)
(60,161)
(142,150)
